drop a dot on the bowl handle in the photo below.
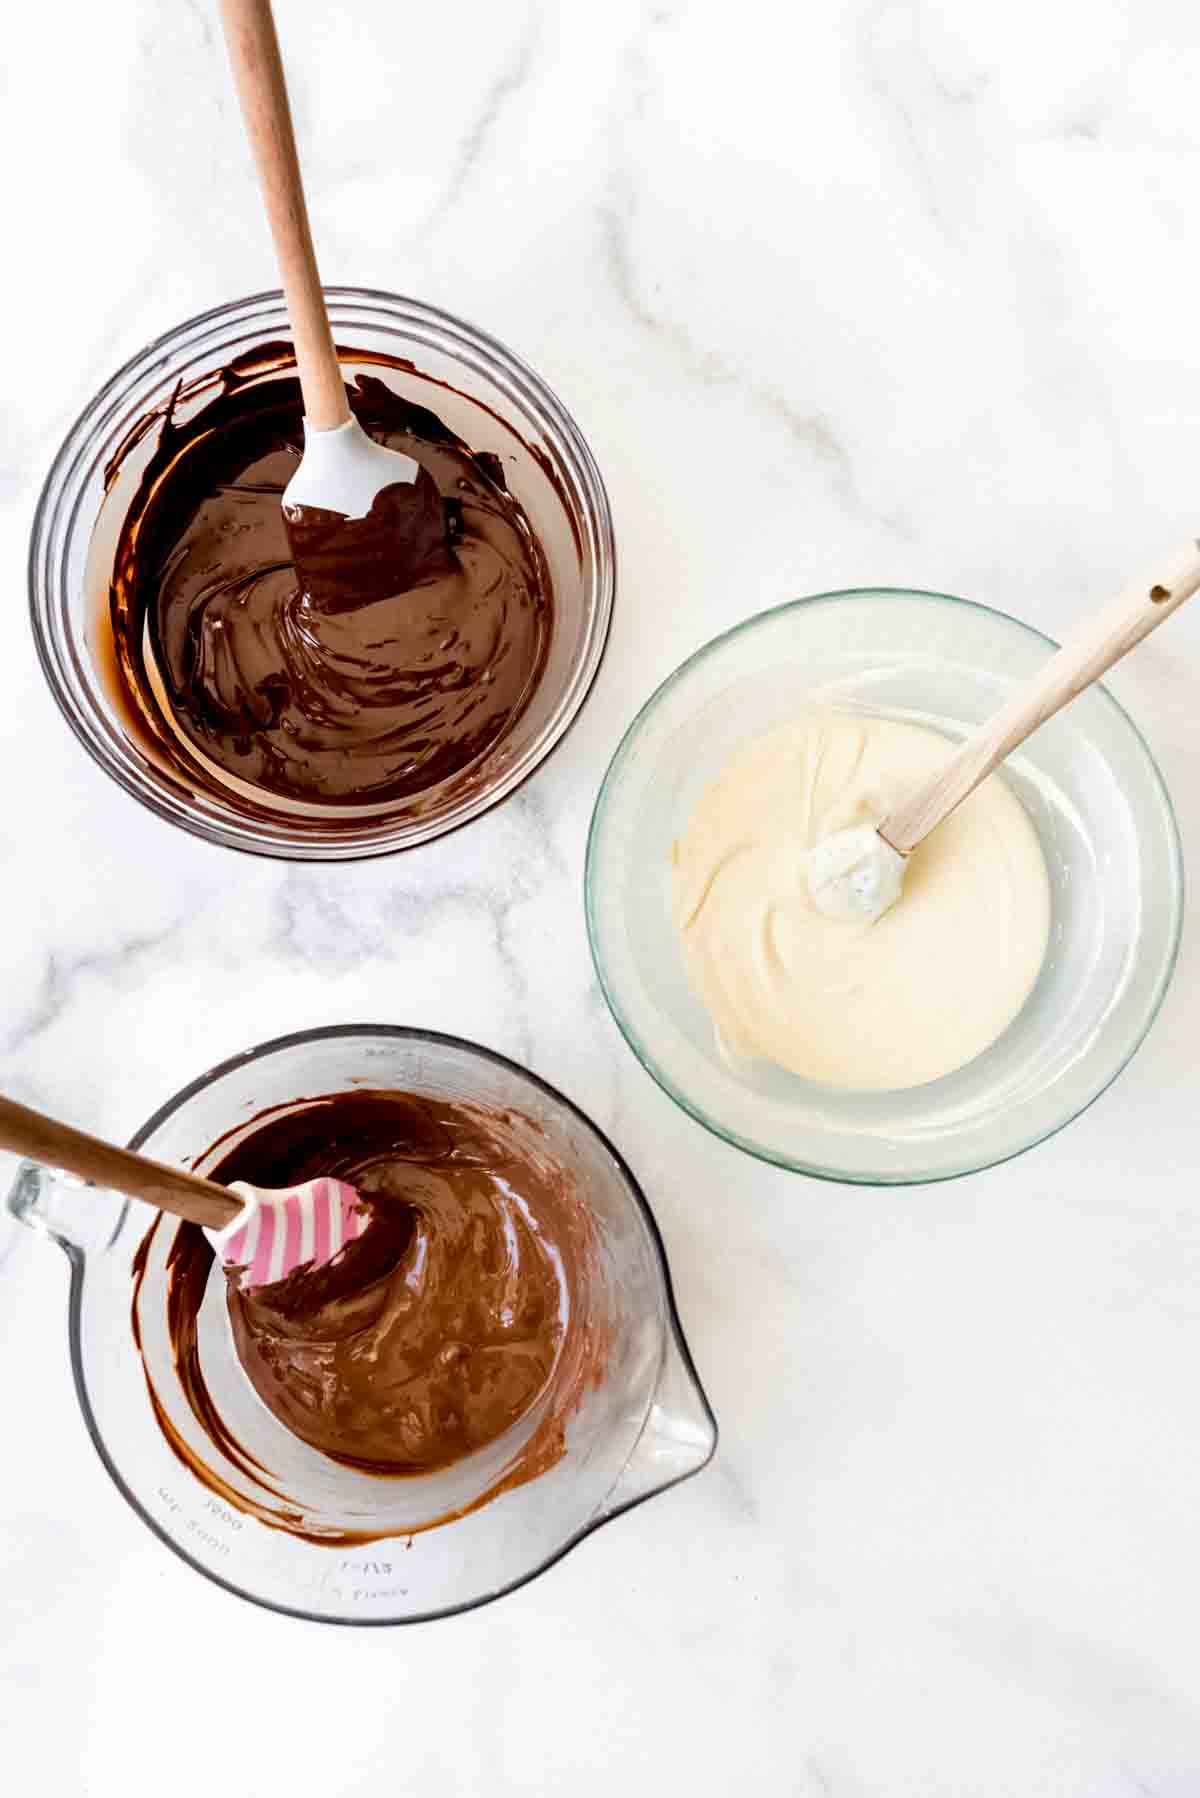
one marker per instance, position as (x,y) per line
(678,1438)
(50,1203)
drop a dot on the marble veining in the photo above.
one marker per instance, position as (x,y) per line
(499,92)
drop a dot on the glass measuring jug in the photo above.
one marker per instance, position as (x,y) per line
(359,1547)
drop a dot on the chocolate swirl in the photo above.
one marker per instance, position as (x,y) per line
(334,697)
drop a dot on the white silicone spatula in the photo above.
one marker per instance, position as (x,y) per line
(342,470)
(262,1234)
(858,874)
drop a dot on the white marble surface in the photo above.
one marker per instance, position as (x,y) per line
(843,292)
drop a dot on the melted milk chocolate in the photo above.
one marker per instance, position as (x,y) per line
(462,1305)
(346,694)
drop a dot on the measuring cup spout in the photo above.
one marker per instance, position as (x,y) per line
(678,1438)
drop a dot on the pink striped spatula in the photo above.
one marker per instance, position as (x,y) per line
(261,1235)
(278,1231)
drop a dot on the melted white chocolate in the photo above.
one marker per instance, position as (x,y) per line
(871,1006)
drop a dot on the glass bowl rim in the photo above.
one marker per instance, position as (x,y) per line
(794,1164)
(437,1038)
(96,416)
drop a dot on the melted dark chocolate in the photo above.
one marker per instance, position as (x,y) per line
(404,540)
(346,694)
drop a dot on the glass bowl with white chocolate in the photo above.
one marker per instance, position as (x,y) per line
(1015,978)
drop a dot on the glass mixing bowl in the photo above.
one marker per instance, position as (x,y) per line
(483,392)
(1095,796)
(644,1426)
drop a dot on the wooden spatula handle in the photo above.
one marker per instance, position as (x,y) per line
(258,72)
(1137,610)
(172,1189)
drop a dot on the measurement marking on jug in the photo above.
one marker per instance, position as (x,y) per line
(329,1584)
(206,1536)
(219,1511)
(194,1524)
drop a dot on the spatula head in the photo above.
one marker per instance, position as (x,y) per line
(854,875)
(364,522)
(280,1231)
